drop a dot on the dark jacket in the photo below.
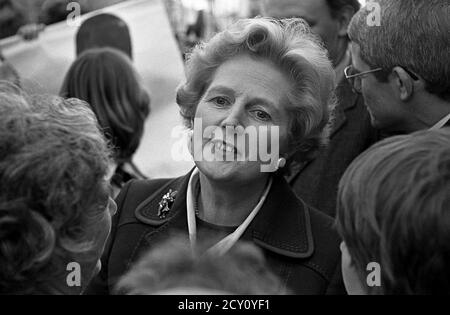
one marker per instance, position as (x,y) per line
(299,242)
(316,181)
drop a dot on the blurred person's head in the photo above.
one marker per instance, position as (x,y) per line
(408,84)
(329,19)
(54,196)
(259,73)
(174,268)
(104,30)
(394,210)
(106,79)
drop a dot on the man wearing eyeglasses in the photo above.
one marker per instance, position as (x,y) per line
(316,180)
(402,67)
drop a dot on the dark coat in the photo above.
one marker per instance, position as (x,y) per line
(299,242)
(316,181)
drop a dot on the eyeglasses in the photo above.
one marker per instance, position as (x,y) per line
(355,77)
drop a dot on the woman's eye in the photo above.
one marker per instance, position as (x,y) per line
(221,101)
(261,115)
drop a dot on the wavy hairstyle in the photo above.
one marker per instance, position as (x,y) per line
(53,163)
(290,45)
(105,78)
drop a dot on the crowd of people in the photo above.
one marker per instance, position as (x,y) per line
(361,182)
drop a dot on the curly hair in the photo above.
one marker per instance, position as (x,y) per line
(290,45)
(53,163)
(107,80)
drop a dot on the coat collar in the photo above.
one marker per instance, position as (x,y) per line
(282,226)
(347,99)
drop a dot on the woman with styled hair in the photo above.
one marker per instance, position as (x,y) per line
(105,78)
(55,205)
(267,84)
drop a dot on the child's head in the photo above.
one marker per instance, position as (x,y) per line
(394,210)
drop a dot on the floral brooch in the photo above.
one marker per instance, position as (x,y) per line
(166,203)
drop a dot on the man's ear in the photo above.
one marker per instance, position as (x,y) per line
(344,17)
(403,83)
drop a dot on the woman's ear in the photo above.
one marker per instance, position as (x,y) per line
(344,17)
(403,83)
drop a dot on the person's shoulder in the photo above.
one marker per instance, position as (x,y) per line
(326,243)
(323,229)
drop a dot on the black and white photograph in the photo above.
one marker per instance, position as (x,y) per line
(229,154)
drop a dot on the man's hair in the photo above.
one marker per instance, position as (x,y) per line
(394,209)
(53,163)
(174,266)
(107,80)
(413,34)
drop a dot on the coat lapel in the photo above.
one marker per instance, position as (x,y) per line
(148,211)
(159,229)
(347,100)
(283,224)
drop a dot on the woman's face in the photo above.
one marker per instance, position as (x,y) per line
(246,102)
(104,223)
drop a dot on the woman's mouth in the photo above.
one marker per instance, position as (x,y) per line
(225,147)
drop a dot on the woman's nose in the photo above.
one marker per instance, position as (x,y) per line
(234,117)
